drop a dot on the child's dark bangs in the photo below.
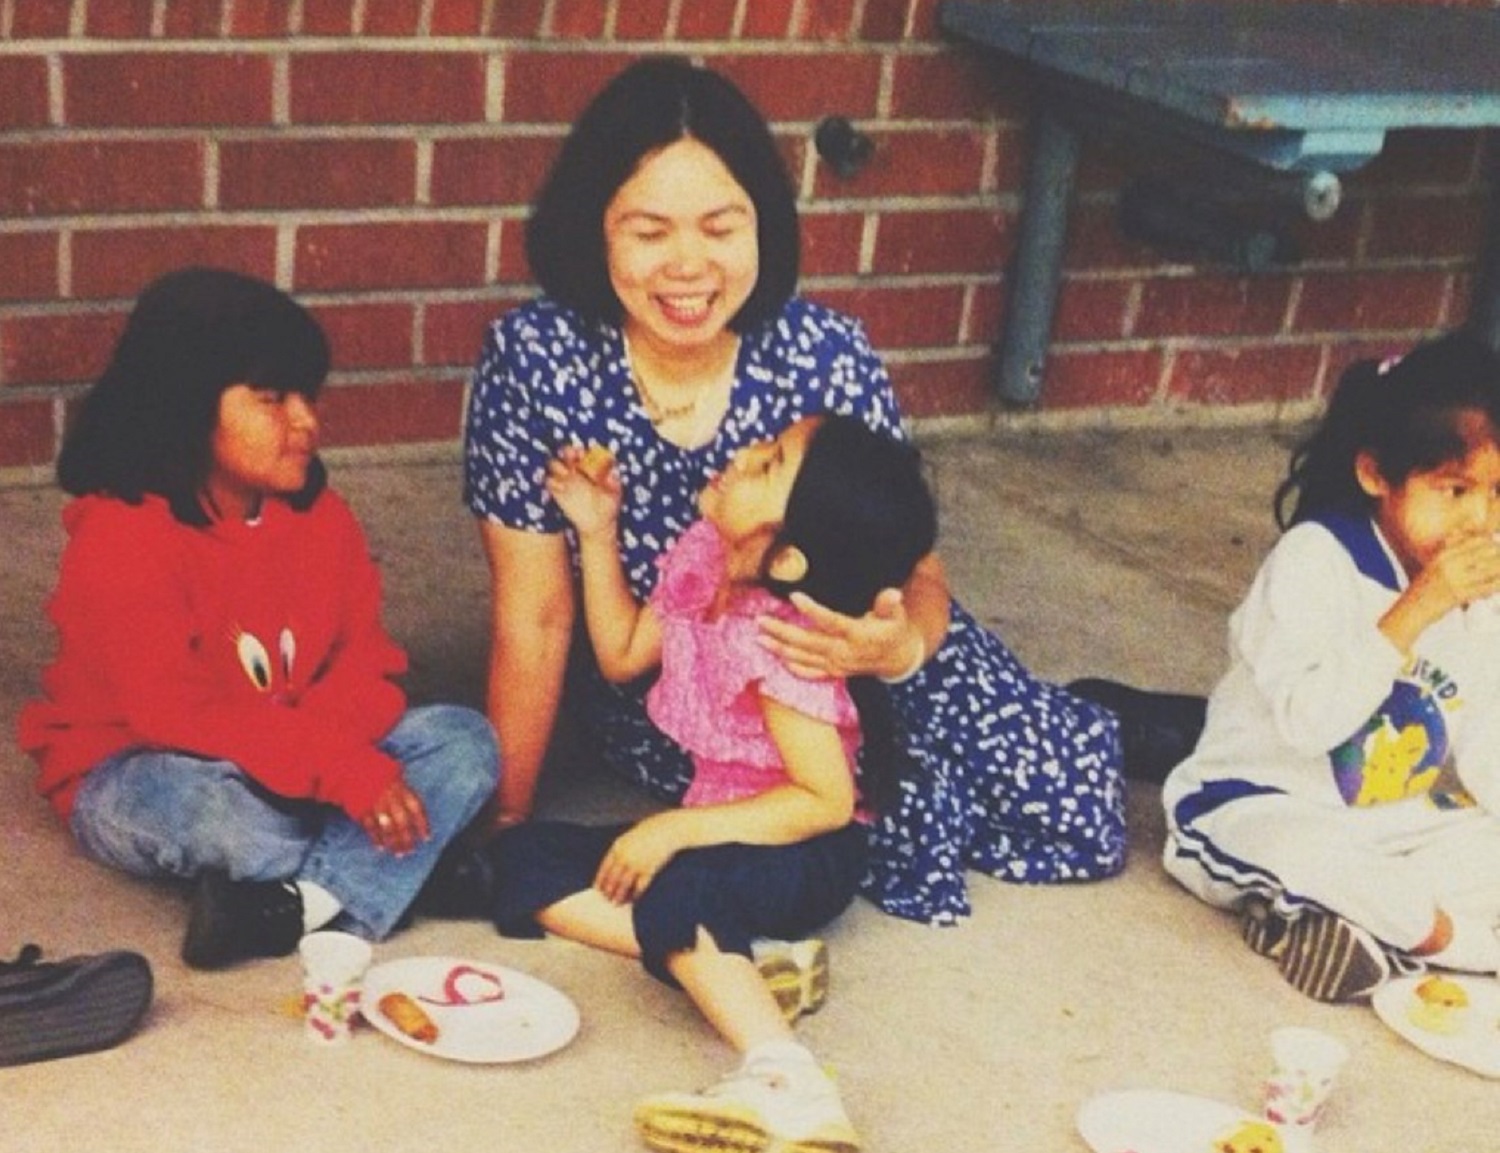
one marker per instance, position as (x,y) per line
(1434,438)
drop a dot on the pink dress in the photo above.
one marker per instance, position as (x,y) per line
(714,671)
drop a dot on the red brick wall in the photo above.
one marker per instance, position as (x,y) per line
(376,158)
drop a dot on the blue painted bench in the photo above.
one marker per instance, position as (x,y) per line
(1301,91)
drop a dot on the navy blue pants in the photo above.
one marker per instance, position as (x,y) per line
(736,892)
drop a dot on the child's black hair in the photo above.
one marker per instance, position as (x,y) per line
(1403,413)
(146,425)
(863,516)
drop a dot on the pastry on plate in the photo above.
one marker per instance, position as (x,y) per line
(404,1013)
(1439,1005)
(1249,1136)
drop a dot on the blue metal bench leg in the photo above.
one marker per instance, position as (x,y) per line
(1037,269)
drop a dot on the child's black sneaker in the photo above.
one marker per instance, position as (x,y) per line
(1263,928)
(1158,731)
(231,921)
(461,885)
(64,1008)
(1331,959)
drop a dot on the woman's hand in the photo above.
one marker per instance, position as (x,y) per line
(397,822)
(592,507)
(883,643)
(635,858)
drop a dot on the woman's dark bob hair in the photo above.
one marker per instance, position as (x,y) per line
(651,104)
(146,426)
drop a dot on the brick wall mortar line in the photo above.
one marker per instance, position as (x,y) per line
(422,193)
(249,217)
(281,91)
(1134,298)
(211,175)
(494,89)
(65,263)
(965,334)
(885,94)
(1293,304)
(298,44)
(1448,310)
(492,251)
(56,97)
(869,234)
(418,324)
(286,255)
(281,133)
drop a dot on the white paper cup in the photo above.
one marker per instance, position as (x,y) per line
(1305,1065)
(333,969)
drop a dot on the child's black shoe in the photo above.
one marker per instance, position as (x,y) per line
(461,885)
(231,921)
(64,1008)
(1157,730)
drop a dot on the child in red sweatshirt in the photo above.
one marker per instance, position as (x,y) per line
(222,705)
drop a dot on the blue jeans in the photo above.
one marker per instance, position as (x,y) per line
(159,813)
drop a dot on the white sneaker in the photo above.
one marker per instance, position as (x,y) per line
(795,971)
(763,1106)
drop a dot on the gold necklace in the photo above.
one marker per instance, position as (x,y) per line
(656,412)
(659,414)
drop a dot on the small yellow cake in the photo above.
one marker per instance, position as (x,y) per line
(1439,1005)
(1249,1137)
(595,462)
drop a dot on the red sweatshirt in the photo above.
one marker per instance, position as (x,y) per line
(258,643)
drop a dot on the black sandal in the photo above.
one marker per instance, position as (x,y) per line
(63,1008)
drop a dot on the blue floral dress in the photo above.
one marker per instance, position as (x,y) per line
(1014,776)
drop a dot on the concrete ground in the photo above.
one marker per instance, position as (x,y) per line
(1090,554)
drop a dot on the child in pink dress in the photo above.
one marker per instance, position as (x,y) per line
(770,841)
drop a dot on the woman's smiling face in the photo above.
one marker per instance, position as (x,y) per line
(682,246)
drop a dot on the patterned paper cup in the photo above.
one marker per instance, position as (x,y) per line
(1306,1064)
(333,967)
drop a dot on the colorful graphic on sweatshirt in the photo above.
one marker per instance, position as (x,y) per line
(1400,752)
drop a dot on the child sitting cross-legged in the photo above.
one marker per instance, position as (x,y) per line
(1344,799)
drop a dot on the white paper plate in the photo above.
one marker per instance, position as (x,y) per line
(1475,1046)
(530,1020)
(1154,1121)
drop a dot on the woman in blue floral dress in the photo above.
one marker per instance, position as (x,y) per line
(666,243)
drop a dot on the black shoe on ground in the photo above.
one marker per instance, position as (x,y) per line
(231,921)
(1157,730)
(461,885)
(64,1008)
